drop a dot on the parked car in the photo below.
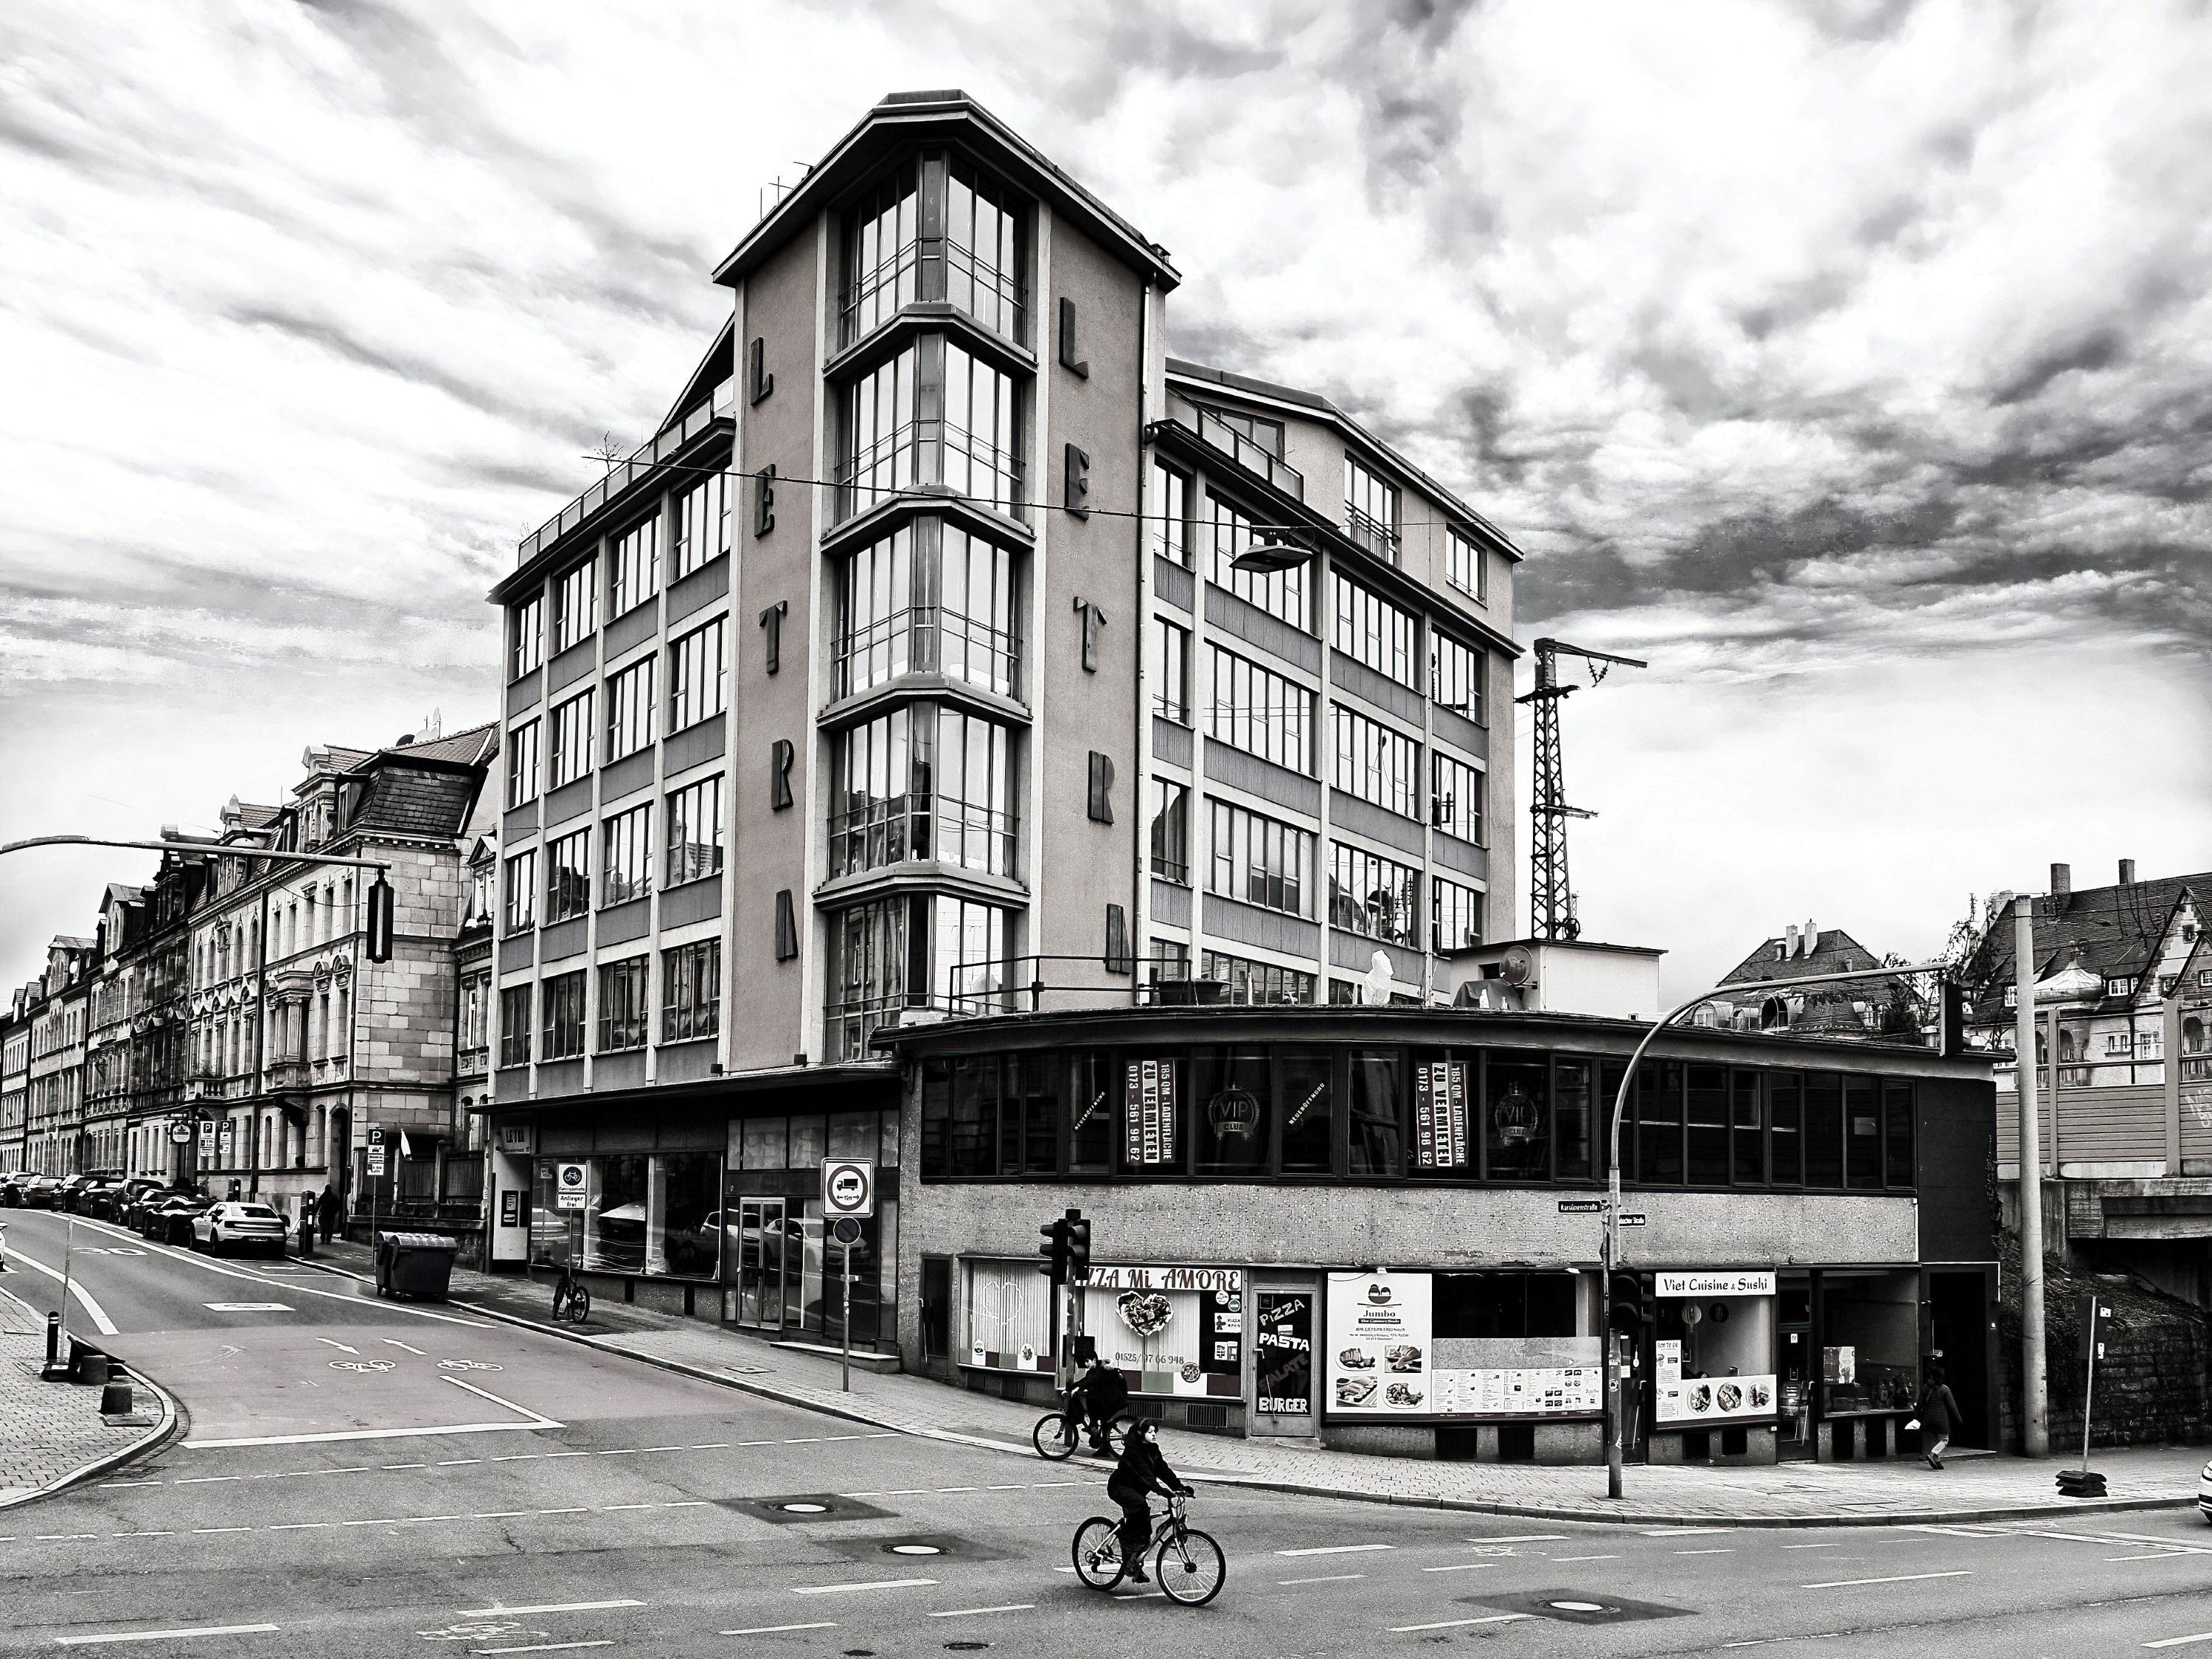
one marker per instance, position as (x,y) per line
(2204,1491)
(105,1197)
(170,1221)
(41,1191)
(132,1200)
(11,1188)
(235,1223)
(77,1187)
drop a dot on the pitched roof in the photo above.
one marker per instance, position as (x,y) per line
(2114,932)
(412,802)
(1834,951)
(470,747)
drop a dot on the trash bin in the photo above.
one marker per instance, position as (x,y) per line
(414,1264)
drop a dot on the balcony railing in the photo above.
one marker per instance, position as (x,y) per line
(895,828)
(642,464)
(931,457)
(925,640)
(1377,538)
(1238,447)
(933,268)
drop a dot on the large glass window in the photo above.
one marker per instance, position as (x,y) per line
(1370,508)
(929,598)
(568,875)
(623,1004)
(572,740)
(976,264)
(1747,1142)
(525,630)
(519,901)
(1168,669)
(1259,860)
(695,831)
(1378,1109)
(691,991)
(1260,712)
(1369,629)
(1456,916)
(1374,896)
(630,710)
(703,527)
(634,573)
(575,605)
(1376,763)
(1170,829)
(514,1025)
(1659,1124)
(1463,564)
(1170,514)
(1573,1120)
(883,263)
(655,1214)
(1517,1118)
(926,783)
(1248,983)
(1897,1106)
(1455,673)
(1824,1130)
(522,763)
(1280,593)
(1785,1110)
(626,840)
(1863,1149)
(915,950)
(1231,1111)
(562,1025)
(933,414)
(696,679)
(1456,797)
(1707,1112)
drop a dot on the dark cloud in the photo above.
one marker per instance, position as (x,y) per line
(2099,348)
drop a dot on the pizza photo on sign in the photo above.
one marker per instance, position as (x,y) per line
(1146,1313)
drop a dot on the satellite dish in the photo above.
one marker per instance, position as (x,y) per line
(1518,966)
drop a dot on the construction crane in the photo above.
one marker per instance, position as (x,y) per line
(1551,900)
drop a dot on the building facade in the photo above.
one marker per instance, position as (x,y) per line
(15,1084)
(56,1143)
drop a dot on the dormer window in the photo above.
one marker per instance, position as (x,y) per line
(2119,986)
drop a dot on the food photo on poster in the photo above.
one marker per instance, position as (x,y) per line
(1711,1360)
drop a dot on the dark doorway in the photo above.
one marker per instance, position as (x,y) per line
(935,1310)
(1958,1340)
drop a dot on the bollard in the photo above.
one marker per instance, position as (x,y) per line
(92,1369)
(3,1247)
(53,1346)
(115,1399)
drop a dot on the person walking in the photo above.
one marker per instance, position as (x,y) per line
(1939,1415)
(326,1212)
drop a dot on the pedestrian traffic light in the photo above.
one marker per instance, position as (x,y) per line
(1628,1310)
(1078,1244)
(378,947)
(1055,1251)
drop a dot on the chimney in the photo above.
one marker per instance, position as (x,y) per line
(2127,872)
(1790,942)
(1812,938)
(2062,881)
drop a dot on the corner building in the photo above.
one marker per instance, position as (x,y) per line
(954,654)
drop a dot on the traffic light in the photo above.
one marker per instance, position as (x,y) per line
(1951,1016)
(378,946)
(1628,1310)
(1055,1251)
(1078,1244)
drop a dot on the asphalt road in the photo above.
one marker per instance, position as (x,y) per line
(341,1493)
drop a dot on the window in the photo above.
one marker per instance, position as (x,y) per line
(563,1022)
(914,951)
(1254,983)
(691,991)
(575,605)
(982,247)
(521,897)
(1376,763)
(695,677)
(1253,428)
(1374,896)
(929,596)
(924,782)
(1260,712)
(1170,514)
(514,1026)
(2119,986)
(882,248)
(1169,671)
(1170,823)
(1464,567)
(932,415)
(526,636)
(694,832)
(567,877)
(475,1012)
(572,740)
(1370,508)
(976,264)
(1455,676)
(1280,593)
(635,576)
(2117,1042)
(1457,921)
(1261,861)
(629,711)
(703,527)
(622,1005)
(1455,800)
(1370,629)
(628,845)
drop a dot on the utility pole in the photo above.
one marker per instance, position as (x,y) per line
(2034,1385)
(1551,900)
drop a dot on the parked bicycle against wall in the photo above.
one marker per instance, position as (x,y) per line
(1188,1565)
(571,1301)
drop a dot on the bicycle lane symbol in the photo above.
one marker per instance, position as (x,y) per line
(468,1365)
(370,1365)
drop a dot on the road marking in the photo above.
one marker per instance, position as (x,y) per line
(545,1607)
(1834,1544)
(92,1310)
(1460,1566)
(546,1647)
(259,1307)
(1590,1557)
(1325,1578)
(207,1479)
(777,1630)
(864,1584)
(291,1526)
(1523,1538)
(1682,1532)
(1338,1549)
(1729,1550)
(388,1468)
(487,1393)
(162,1635)
(457,1462)
(205,1529)
(1900,1579)
(395,1342)
(114,1485)
(197,1444)
(2163,1555)
(1454,1624)
(962,1612)
(2181,1641)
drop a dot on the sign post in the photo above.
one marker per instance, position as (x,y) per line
(375,1177)
(848,1197)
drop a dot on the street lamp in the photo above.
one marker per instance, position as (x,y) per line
(1614,1414)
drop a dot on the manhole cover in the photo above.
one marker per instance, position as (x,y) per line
(1576,1606)
(944,1546)
(798,1507)
(1579,1606)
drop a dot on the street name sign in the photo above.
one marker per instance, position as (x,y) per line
(1582,1207)
(1627,1220)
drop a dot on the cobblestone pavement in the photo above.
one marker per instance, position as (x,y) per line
(1971,1488)
(49,1430)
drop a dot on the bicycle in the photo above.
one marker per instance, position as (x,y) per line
(571,1301)
(1056,1434)
(1188,1564)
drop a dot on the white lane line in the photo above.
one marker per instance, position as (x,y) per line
(207,1479)
(457,1462)
(546,1647)
(162,1635)
(2163,1555)
(521,1411)
(778,1630)
(1832,1544)
(864,1584)
(1731,1551)
(112,1486)
(1454,1624)
(1338,1549)
(291,1526)
(1461,1566)
(395,1342)
(1898,1578)
(197,1444)
(962,1612)
(2181,1641)
(1325,1578)
(388,1468)
(1682,1532)
(332,1341)
(92,1310)
(1523,1538)
(1586,1557)
(546,1607)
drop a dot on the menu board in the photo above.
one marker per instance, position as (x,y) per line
(1712,1399)
(1440,1114)
(1149,1116)
(1378,1345)
(1569,1390)
(1282,1353)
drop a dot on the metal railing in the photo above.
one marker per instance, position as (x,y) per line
(1211,427)
(925,640)
(640,466)
(1377,538)
(929,270)
(892,828)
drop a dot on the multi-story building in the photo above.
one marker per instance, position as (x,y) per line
(54,1109)
(968,738)
(14,1081)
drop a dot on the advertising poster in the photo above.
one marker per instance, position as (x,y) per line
(1440,1114)
(1378,1345)
(1149,1116)
(1714,1399)
(1172,1330)
(1282,1353)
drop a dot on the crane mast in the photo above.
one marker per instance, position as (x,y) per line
(1551,899)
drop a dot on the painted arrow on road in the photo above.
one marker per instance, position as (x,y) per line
(338,1345)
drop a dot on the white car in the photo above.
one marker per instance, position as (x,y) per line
(2204,1491)
(235,1225)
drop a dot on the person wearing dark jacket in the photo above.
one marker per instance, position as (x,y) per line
(1140,1473)
(1097,1397)
(1939,1415)
(326,1212)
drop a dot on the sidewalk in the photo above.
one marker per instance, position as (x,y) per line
(51,1433)
(1973,1488)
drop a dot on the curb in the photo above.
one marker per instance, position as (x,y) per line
(174,1421)
(1261,1483)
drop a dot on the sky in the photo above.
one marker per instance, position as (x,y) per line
(1848,362)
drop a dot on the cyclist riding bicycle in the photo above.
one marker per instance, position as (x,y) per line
(1095,1398)
(1141,1472)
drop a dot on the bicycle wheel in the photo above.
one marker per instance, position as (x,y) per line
(1117,1436)
(1191,1568)
(1098,1552)
(579,1305)
(1054,1436)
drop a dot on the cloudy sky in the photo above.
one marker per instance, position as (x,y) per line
(1848,360)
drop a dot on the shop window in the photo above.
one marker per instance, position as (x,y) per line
(1707,1103)
(1659,1125)
(808,1144)
(1092,1106)
(1863,1133)
(1785,1110)
(1516,1119)
(760,1142)
(1305,1101)
(1747,1149)
(975,1116)
(1897,1106)
(1377,1112)
(656,1215)
(1824,1130)
(1515,1305)
(1170,1331)
(1870,1341)
(1009,1326)
(1029,1119)
(1230,1118)
(1570,1120)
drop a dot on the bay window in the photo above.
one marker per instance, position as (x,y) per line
(932,414)
(918,951)
(975,260)
(924,782)
(929,598)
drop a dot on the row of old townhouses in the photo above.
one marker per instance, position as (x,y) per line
(221,1026)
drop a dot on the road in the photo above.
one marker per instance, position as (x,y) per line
(375,1478)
